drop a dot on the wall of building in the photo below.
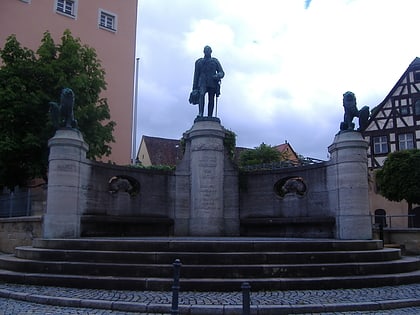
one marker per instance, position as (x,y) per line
(143,155)
(116,50)
(396,212)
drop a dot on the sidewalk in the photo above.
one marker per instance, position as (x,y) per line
(219,303)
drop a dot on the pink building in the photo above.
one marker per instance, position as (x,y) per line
(109,26)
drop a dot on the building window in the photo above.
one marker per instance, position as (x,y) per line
(67,7)
(405,141)
(107,20)
(417,107)
(380,145)
(404,110)
(417,76)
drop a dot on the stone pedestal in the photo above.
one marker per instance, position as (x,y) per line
(66,175)
(206,184)
(348,186)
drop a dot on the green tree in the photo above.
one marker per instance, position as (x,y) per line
(28,82)
(399,177)
(260,155)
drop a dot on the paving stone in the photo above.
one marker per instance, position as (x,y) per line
(27,299)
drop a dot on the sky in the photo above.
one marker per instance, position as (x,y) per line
(287,64)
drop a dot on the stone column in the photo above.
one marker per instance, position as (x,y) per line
(66,173)
(204,161)
(348,186)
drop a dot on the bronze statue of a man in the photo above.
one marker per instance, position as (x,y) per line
(207,75)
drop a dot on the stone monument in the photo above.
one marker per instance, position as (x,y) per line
(206,184)
(348,185)
(206,202)
(348,175)
(67,171)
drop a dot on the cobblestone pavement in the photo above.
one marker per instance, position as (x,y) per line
(27,299)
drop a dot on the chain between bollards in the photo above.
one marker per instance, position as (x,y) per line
(175,287)
(246,301)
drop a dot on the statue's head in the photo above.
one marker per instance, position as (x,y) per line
(67,92)
(207,51)
(67,95)
(349,99)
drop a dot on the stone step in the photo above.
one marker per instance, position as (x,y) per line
(208,263)
(406,264)
(209,284)
(209,244)
(237,258)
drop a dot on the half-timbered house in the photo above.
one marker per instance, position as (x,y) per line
(394,125)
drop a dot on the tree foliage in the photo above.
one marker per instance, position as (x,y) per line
(260,155)
(28,82)
(230,143)
(399,178)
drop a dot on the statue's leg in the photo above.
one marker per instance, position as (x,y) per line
(363,117)
(348,121)
(73,121)
(202,90)
(69,117)
(55,114)
(211,94)
(201,106)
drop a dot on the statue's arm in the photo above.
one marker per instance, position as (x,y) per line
(196,74)
(220,73)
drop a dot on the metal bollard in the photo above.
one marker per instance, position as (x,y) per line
(381,231)
(175,287)
(246,301)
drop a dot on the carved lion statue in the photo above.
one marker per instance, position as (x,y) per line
(62,114)
(351,111)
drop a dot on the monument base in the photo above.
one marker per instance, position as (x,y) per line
(65,177)
(348,186)
(210,205)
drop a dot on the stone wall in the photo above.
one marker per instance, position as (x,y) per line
(153,197)
(288,202)
(19,231)
(275,193)
(127,201)
(408,239)
(205,196)
(129,191)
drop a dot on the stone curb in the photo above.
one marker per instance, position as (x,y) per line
(209,309)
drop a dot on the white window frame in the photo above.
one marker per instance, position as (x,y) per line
(65,3)
(380,145)
(405,141)
(110,17)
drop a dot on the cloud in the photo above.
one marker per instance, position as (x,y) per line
(205,32)
(287,64)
